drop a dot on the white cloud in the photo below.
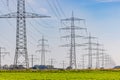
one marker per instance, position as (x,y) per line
(108,0)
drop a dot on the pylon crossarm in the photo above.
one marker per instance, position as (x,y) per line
(67,36)
(33,15)
(97,49)
(78,45)
(85,43)
(78,36)
(43,50)
(27,15)
(68,19)
(79,28)
(42,45)
(75,19)
(42,39)
(9,15)
(66,45)
(78,19)
(76,28)
(90,43)
(90,37)
(65,28)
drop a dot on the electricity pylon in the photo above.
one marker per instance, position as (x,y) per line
(90,49)
(1,54)
(51,62)
(32,58)
(109,63)
(63,64)
(72,37)
(102,58)
(107,59)
(98,54)
(43,50)
(83,61)
(21,54)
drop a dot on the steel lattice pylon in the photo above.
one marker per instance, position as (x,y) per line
(21,55)
(72,45)
(90,50)
(43,49)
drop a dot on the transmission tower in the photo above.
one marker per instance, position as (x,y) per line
(51,62)
(21,54)
(109,63)
(90,49)
(83,61)
(72,37)
(102,58)
(106,60)
(43,50)
(63,64)
(1,54)
(98,55)
(32,58)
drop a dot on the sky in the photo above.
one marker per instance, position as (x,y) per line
(102,20)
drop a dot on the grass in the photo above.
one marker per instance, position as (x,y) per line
(61,75)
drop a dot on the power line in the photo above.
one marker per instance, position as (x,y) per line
(57,1)
(35,28)
(56,8)
(6,6)
(41,20)
(51,7)
(7,22)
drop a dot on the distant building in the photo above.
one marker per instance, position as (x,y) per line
(69,67)
(43,67)
(16,67)
(5,67)
(117,67)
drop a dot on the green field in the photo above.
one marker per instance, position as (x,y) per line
(61,75)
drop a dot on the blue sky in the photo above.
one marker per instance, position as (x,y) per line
(102,19)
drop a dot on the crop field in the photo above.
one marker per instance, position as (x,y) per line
(61,75)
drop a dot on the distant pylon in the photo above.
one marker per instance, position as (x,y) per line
(32,58)
(63,64)
(83,61)
(21,54)
(72,37)
(98,54)
(90,49)
(1,54)
(102,58)
(52,61)
(43,50)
